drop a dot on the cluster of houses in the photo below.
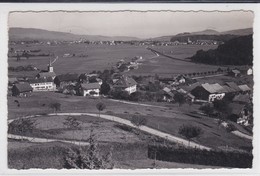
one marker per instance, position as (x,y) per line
(240,95)
(70,83)
(122,65)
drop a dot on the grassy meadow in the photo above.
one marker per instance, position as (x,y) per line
(167,119)
(100,57)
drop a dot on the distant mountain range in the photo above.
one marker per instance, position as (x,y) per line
(208,34)
(40,34)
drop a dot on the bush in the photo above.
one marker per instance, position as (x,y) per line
(138,120)
(203,157)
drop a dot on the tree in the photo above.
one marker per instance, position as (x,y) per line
(88,158)
(207,109)
(100,107)
(105,88)
(138,120)
(55,106)
(22,126)
(18,57)
(189,131)
(179,98)
(222,107)
(71,123)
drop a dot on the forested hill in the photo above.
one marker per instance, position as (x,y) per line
(237,51)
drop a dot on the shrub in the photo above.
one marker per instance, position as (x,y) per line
(203,157)
(138,120)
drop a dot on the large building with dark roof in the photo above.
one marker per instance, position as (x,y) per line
(21,89)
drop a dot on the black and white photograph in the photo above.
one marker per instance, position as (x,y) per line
(126,89)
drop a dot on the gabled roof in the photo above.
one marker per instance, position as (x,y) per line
(244,87)
(213,88)
(241,98)
(190,87)
(67,77)
(233,86)
(181,91)
(89,86)
(168,91)
(23,87)
(235,71)
(46,74)
(227,89)
(40,80)
(125,82)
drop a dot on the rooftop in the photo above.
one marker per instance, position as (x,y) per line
(23,87)
(244,87)
(233,85)
(40,80)
(125,82)
(213,88)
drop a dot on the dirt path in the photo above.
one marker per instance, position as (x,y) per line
(128,123)
(139,104)
(44,140)
(240,134)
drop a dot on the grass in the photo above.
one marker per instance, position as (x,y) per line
(213,136)
(183,51)
(99,57)
(169,120)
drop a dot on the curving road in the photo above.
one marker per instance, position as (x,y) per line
(125,122)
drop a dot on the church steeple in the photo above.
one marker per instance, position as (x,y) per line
(50,67)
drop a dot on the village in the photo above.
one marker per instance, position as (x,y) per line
(116,84)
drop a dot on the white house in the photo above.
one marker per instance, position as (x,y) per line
(42,84)
(250,71)
(91,89)
(127,84)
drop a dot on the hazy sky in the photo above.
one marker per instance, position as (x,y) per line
(138,24)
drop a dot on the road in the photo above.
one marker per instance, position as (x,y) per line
(44,140)
(149,130)
(139,104)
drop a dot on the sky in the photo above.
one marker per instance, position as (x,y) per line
(134,24)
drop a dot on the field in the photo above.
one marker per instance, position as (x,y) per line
(100,57)
(97,57)
(183,51)
(167,118)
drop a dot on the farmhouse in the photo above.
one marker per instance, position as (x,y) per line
(91,89)
(126,84)
(42,84)
(208,92)
(234,73)
(21,89)
(233,86)
(168,95)
(242,99)
(65,79)
(244,88)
